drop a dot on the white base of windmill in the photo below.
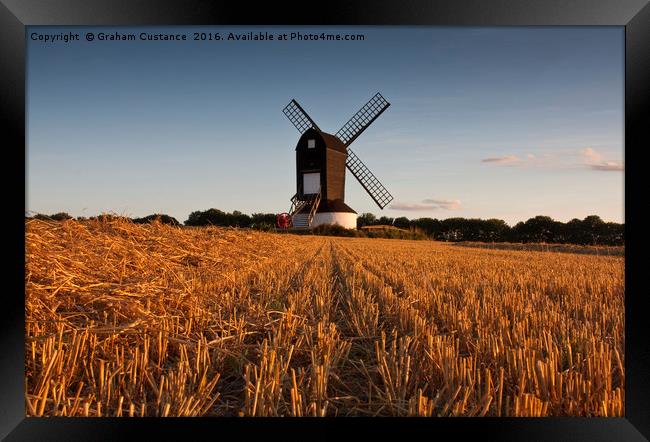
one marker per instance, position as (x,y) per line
(343,219)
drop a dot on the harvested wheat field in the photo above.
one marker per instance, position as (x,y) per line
(151,320)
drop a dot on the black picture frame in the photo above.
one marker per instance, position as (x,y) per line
(634,15)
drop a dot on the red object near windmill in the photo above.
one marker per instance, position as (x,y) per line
(283,220)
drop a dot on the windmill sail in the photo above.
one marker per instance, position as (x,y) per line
(298,117)
(362,119)
(367,179)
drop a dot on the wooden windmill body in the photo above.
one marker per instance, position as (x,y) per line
(321,162)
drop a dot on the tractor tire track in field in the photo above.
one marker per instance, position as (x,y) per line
(275,301)
(357,316)
(388,294)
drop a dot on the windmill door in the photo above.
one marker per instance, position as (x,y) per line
(311,182)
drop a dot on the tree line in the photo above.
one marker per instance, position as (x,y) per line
(591,230)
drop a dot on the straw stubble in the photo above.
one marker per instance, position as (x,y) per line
(152,320)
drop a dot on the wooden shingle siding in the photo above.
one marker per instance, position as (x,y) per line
(335,171)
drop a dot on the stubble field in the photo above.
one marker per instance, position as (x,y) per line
(153,320)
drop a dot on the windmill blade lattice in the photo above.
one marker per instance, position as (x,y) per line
(367,179)
(362,119)
(298,117)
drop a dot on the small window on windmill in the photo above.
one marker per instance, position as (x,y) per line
(311,144)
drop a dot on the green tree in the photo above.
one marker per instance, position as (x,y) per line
(495,230)
(402,222)
(573,232)
(594,228)
(385,220)
(239,219)
(366,219)
(259,218)
(209,217)
(430,226)
(61,216)
(160,217)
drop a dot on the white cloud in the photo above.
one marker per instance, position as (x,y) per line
(427,204)
(594,160)
(608,166)
(590,155)
(588,158)
(507,160)
(443,204)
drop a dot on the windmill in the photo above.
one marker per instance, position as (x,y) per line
(321,160)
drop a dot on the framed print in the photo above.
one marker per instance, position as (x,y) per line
(379,217)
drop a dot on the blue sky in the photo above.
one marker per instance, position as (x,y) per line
(502,123)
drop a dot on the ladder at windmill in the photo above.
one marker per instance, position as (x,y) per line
(297,204)
(350,131)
